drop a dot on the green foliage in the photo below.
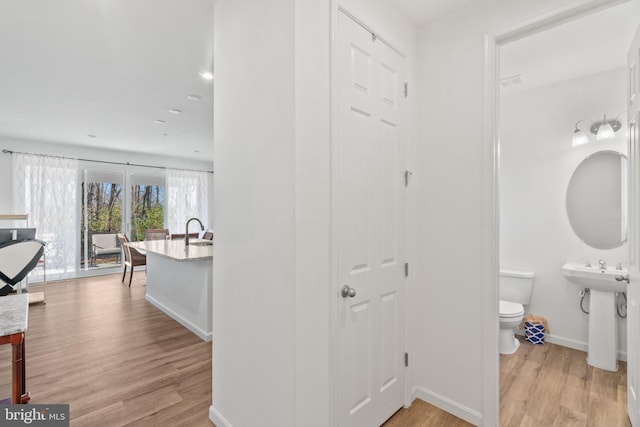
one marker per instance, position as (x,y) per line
(107,220)
(104,209)
(146,210)
(151,217)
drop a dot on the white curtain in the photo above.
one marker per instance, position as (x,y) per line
(46,189)
(186,198)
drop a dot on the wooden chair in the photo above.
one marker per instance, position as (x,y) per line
(156,233)
(132,257)
(181,236)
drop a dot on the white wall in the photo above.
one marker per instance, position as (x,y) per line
(452,174)
(263,148)
(536,163)
(55,149)
(273,290)
(313,201)
(254,268)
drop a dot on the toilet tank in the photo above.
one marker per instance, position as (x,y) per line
(516,285)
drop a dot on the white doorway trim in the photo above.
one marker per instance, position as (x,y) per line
(490,192)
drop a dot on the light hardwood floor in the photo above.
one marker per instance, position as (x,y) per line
(543,386)
(550,385)
(422,414)
(116,360)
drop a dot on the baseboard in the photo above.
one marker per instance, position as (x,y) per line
(574,344)
(204,335)
(217,419)
(448,405)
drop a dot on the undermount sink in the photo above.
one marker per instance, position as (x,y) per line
(201,243)
(606,280)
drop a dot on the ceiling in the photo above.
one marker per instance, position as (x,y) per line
(422,11)
(99,73)
(584,46)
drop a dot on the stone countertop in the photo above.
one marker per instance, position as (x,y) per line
(14,311)
(176,249)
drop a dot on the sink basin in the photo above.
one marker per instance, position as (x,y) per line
(595,278)
(603,324)
(201,243)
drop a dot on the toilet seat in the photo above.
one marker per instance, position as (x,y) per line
(511,309)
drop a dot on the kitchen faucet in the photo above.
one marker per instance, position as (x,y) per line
(186,231)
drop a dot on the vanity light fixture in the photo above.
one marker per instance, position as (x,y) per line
(603,129)
(606,129)
(579,137)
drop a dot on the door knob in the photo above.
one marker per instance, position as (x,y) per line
(623,278)
(348,291)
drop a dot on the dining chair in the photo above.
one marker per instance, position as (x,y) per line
(176,236)
(156,233)
(132,258)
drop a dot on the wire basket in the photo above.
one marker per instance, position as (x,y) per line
(534,332)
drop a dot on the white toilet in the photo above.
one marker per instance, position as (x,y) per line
(515,292)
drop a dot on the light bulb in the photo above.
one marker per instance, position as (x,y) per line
(605,131)
(579,138)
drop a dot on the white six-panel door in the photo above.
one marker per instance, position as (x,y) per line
(633,289)
(371,226)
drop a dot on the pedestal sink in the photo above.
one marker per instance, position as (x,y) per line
(603,325)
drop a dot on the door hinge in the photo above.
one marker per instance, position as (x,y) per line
(406,89)
(407,177)
(406,269)
(406,360)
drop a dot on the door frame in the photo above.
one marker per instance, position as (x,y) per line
(336,9)
(83,167)
(491,178)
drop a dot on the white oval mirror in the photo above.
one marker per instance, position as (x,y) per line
(596,200)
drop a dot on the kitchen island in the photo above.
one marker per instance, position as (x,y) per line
(180,282)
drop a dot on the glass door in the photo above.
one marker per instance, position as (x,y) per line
(146,204)
(101,219)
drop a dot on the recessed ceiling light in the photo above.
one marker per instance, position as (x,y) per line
(175,111)
(193,98)
(160,122)
(92,136)
(207,75)
(196,151)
